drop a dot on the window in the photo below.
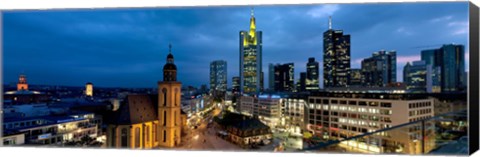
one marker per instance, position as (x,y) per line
(362,103)
(164,96)
(325,101)
(154,131)
(385,104)
(352,102)
(175,97)
(137,137)
(124,138)
(175,118)
(164,135)
(113,137)
(147,134)
(164,118)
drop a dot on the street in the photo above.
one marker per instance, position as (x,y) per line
(204,138)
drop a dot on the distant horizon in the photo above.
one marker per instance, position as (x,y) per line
(127,48)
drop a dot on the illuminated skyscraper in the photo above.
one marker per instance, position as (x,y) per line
(251,59)
(235,84)
(420,77)
(336,58)
(451,60)
(380,69)
(284,77)
(311,82)
(218,76)
(355,77)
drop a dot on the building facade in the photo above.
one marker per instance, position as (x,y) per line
(51,130)
(356,77)
(218,76)
(169,106)
(336,58)
(251,74)
(312,82)
(420,77)
(150,121)
(301,83)
(293,113)
(271,77)
(340,116)
(380,69)
(267,108)
(284,77)
(235,84)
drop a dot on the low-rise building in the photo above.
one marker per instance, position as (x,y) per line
(293,109)
(243,130)
(266,107)
(13,139)
(52,130)
(339,116)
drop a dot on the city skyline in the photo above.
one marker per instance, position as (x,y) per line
(132,42)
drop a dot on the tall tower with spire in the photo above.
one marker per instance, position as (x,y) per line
(169,92)
(251,73)
(336,57)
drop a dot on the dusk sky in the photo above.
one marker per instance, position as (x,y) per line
(128,47)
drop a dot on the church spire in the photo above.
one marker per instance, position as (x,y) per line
(170,48)
(170,55)
(169,69)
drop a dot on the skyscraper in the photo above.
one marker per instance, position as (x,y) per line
(311,82)
(284,77)
(420,77)
(218,76)
(336,58)
(355,77)
(251,59)
(271,76)
(301,83)
(235,84)
(451,60)
(380,69)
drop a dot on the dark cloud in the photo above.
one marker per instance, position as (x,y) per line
(127,47)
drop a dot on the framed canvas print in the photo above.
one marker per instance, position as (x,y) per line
(357,78)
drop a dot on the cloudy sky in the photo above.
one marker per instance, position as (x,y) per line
(127,47)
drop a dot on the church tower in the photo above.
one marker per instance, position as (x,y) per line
(169,109)
(22,83)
